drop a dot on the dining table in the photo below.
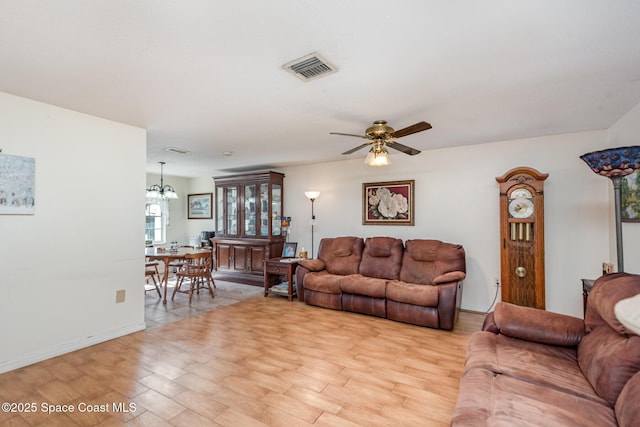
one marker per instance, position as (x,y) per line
(167,256)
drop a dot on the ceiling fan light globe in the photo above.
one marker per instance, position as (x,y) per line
(378,158)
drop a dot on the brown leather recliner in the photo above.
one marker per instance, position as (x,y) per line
(534,367)
(365,292)
(337,257)
(428,292)
(420,285)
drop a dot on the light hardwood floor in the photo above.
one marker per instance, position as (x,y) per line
(226,293)
(261,361)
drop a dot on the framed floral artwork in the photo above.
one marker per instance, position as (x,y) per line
(199,206)
(388,203)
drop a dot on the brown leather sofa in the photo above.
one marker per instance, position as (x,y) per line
(531,367)
(419,282)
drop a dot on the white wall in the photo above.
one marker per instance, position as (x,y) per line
(457,201)
(62,266)
(626,132)
(198,186)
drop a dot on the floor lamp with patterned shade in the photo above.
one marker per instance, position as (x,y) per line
(615,163)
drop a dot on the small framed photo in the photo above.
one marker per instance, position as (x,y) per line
(388,203)
(199,206)
(289,249)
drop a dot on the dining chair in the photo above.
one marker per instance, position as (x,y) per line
(197,268)
(151,271)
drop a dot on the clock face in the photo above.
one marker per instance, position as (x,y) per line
(519,193)
(521,207)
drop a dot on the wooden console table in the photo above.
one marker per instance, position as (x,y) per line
(280,267)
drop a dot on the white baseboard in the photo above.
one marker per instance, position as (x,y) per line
(77,344)
(474,308)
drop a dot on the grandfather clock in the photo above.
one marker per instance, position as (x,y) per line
(522,236)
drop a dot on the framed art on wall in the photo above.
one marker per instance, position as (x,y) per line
(630,197)
(200,206)
(388,203)
(17,184)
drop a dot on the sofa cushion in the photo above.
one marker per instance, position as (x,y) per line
(382,258)
(358,284)
(609,355)
(627,407)
(380,246)
(487,399)
(412,293)
(341,255)
(554,367)
(605,294)
(323,282)
(424,260)
(608,360)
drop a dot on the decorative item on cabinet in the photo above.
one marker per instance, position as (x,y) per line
(285,223)
(248,227)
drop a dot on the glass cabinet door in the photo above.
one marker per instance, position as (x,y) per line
(264,209)
(276,207)
(250,206)
(232,210)
(250,209)
(220,210)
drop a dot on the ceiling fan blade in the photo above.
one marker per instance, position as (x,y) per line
(347,134)
(353,150)
(401,147)
(415,128)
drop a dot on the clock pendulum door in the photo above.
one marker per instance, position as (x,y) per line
(522,237)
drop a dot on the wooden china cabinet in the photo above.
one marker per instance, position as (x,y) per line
(248,231)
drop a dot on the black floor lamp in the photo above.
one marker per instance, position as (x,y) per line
(615,163)
(312,195)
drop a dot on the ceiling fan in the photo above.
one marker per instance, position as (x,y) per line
(381,135)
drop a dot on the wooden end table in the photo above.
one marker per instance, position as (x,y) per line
(280,267)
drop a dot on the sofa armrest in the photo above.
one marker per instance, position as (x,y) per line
(300,273)
(452,276)
(531,324)
(306,266)
(313,264)
(489,324)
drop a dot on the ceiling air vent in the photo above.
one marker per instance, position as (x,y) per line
(310,67)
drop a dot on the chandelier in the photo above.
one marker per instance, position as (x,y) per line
(162,191)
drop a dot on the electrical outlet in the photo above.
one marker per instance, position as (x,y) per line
(496,281)
(120,295)
(607,268)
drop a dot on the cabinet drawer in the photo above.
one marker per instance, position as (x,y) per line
(277,269)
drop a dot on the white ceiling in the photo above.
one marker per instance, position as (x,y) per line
(206,75)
